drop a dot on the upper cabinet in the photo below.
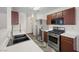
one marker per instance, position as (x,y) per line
(15,18)
(69,16)
(66,17)
(49,18)
(54,16)
(59,14)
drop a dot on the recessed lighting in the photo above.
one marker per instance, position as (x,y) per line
(36,8)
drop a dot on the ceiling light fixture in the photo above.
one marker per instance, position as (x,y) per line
(36,8)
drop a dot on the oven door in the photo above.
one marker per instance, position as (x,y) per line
(53,41)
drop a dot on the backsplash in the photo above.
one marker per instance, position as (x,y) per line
(68,28)
(16,27)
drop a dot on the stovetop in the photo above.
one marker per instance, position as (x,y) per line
(57,31)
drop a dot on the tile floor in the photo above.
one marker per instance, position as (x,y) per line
(42,45)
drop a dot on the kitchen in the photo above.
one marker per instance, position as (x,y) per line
(54,28)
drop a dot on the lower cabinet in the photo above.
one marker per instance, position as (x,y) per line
(46,36)
(67,44)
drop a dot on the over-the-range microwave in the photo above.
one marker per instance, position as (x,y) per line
(58,21)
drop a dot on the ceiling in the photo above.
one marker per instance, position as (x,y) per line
(46,9)
(29,10)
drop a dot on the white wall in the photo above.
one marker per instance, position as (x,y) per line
(41,16)
(5,23)
(34,25)
(77,19)
(9,26)
(3,20)
(22,21)
(29,25)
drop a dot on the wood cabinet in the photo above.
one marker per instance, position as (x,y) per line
(67,44)
(59,14)
(49,18)
(15,18)
(45,36)
(69,16)
(54,15)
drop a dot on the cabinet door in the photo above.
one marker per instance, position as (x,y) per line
(69,16)
(66,44)
(59,15)
(15,18)
(49,18)
(53,19)
(54,16)
(45,36)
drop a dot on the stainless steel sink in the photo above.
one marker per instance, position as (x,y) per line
(18,39)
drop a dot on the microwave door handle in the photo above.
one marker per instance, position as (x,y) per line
(61,22)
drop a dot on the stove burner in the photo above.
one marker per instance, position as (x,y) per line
(57,31)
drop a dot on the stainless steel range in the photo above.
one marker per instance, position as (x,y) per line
(54,37)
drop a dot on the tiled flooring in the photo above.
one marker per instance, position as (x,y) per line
(42,45)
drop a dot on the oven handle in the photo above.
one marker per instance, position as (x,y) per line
(56,36)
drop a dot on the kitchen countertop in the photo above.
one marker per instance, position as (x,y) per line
(74,35)
(46,30)
(17,33)
(71,34)
(4,38)
(26,46)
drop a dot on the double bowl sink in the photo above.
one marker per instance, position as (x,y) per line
(18,39)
